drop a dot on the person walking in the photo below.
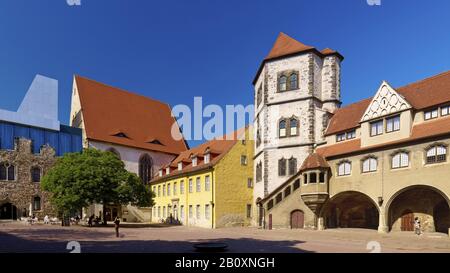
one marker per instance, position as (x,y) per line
(417,226)
(116,226)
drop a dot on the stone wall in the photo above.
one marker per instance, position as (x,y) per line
(21,191)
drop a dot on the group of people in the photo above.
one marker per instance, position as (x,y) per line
(96,220)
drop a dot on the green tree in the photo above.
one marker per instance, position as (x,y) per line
(78,180)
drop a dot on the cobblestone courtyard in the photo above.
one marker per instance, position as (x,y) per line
(18,237)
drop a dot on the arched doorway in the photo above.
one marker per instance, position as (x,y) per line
(351,210)
(407,221)
(297,219)
(8,212)
(427,203)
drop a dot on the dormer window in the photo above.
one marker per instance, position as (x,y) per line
(160,172)
(168,170)
(445,110)
(194,161)
(207,158)
(376,128)
(345,136)
(180,166)
(431,114)
(120,134)
(155,141)
(393,124)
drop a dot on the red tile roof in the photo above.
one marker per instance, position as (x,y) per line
(314,161)
(425,130)
(218,147)
(422,94)
(117,116)
(285,45)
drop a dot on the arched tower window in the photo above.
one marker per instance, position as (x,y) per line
(282,128)
(293,126)
(293,81)
(146,168)
(282,83)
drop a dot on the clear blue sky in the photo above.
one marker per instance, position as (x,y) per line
(175,50)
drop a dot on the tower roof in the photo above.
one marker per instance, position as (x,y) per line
(314,161)
(286,46)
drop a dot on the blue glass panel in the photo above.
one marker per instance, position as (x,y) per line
(65,143)
(51,138)
(21,131)
(6,136)
(38,138)
(77,143)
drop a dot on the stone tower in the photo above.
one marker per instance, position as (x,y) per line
(297,87)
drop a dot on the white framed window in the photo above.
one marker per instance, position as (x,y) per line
(344,168)
(159,191)
(181,212)
(168,189)
(197,212)
(182,187)
(194,161)
(207,183)
(376,128)
(175,188)
(191,213)
(207,158)
(436,154)
(369,165)
(431,114)
(180,166)
(160,172)
(340,137)
(393,124)
(207,212)
(190,185)
(351,134)
(168,170)
(164,190)
(400,160)
(445,110)
(198,186)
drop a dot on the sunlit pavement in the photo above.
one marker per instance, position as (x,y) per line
(19,237)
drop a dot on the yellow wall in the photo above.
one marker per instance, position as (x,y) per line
(232,194)
(228,186)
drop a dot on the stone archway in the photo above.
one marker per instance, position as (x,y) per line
(427,203)
(8,211)
(351,209)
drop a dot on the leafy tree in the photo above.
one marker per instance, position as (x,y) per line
(78,180)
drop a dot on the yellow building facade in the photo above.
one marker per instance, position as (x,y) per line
(208,186)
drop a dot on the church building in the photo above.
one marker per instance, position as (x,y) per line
(141,131)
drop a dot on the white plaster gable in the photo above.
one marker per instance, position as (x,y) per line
(39,107)
(385,102)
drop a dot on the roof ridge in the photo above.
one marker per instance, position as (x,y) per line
(122,90)
(426,79)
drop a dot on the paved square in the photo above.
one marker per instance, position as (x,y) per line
(18,237)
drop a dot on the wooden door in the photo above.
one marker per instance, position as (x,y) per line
(297,219)
(407,221)
(270,221)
